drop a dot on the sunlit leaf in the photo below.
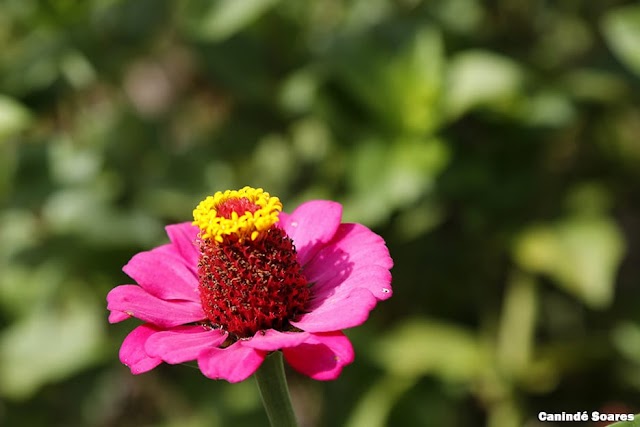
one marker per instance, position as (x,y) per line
(415,222)
(220,19)
(581,254)
(621,28)
(47,345)
(311,139)
(22,288)
(426,347)
(481,78)
(71,163)
(399,173)
(273,163)
(85,212)
(549,109)
(460,16)
(517,324)
(298,91)
(77,69)
(374,407)
(401,88)
(14,117)
(18,230)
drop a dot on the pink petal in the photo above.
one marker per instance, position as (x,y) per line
(183,343)
(271,340)
(136,302)
(132,352)
(354,244)
(311,225)
(322,356)
(163,274)
(235,363)
(118,316)
(340,311)
(184,237)
(374,278)
(356,259)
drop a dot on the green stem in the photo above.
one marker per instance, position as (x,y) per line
(274,391)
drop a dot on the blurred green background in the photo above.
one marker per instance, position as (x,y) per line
(494,144)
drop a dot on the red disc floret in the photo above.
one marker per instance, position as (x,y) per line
(237,205)
(252,285)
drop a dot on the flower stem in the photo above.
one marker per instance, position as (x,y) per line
(274,391)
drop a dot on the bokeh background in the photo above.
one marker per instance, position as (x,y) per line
(494,144)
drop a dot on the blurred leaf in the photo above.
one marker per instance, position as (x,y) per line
(549,109)
(298,91)
(403,87)
(34,60)
(8,164)
(311,139)
(626,338)
(74,209)
(415,222)
(77,69)
(85,212)
(566,37)
(363,14)
(517,324)
(581,254)
(24,288)
(374,407)
(18,230)
(619,141)
(49,344)
(460,16)
(588,198)
(217,20)
(272,165)
(385,176)
(595,85)
(122,228)
(242,398)
(426,347)
(481,78)
(634,423)
(14,117)
(621,28)
(72,164)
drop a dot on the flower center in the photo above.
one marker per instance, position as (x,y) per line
(236,214)
(227,208)
(250,277)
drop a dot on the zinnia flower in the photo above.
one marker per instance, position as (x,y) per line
(245,279)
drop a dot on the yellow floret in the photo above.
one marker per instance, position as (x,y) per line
(248,225)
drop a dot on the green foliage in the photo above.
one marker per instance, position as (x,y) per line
(494,145)
(408,350)
(581,255)
(634,423)
(622,28)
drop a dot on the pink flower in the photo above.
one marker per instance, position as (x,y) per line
(233,287)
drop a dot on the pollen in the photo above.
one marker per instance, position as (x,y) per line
(236,215)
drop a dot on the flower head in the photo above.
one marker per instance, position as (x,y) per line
(245,279)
